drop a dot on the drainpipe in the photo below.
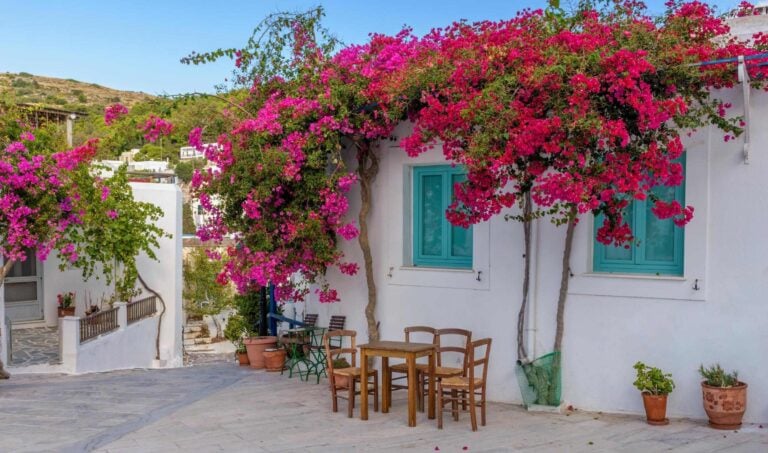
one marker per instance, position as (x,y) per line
(745,88)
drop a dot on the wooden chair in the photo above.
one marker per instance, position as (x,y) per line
(336,323)
(450,342)
(310,319)
(421,368)
(348,378)
(466,389)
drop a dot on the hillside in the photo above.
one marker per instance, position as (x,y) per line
(68,94)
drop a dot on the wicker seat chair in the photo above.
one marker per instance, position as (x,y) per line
(348,378)
(465,390)
(430,335)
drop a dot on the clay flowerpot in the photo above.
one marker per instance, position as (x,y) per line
(256,346)
(274,359)
(242,358)
(725,406)
(69,311)
(655,409)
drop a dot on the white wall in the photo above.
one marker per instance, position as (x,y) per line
(611,322)
(130,346)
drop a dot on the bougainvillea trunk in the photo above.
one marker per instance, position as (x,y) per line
(5,270)
(522,354)
(368,167)
(564,278)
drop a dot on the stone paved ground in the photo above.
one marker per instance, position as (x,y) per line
(35,346)
(223,407)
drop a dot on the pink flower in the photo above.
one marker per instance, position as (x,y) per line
(155,127)
(104,193)
(112,214)
(196,138)
(114,112)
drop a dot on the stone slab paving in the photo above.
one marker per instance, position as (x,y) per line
(223,407)
(35,346)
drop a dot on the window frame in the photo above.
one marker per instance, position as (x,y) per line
(446,260)
(638,264)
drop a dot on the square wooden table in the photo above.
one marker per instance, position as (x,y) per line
(401,349)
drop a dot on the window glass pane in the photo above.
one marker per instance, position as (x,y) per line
(624,252)
(17,292)
(659,234)
(432,215)
(26,268)
(461,238)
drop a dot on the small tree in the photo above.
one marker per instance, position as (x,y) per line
(202,294)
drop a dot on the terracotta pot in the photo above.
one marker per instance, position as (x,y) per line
(655,409)
(242,358)
(69,311)
(274,359)
(255,347)
(341,381)
(725,407)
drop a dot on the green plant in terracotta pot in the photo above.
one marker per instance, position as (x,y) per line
(235,331)
(724,397)
(655,386)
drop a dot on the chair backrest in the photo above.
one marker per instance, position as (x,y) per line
(453,341)
(421,331)
(333,353)
(337,322)
(310,319)
(479,357)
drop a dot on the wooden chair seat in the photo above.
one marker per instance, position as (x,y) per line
(460,382)
(445,371)
(403,367)
(350,371)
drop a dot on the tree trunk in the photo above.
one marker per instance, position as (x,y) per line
(564,278)
(367,168)
(522,354)
(7,265)
(263,309)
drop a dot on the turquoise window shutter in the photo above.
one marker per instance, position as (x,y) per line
(658,248)
(437,243)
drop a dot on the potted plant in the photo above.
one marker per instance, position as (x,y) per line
(235,331)
(66,304)
(274,359)
(724,396)
(339,363)
(252,306)
(655,385)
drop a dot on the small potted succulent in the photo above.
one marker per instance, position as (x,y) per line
(66,304)
(655,386)
(724,396)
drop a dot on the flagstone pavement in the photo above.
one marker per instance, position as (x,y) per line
(219,406)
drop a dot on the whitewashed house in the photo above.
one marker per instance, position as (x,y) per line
(28,302)
(685,297)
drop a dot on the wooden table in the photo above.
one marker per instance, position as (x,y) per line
(401,349)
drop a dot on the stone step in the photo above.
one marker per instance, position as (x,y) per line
(198,348)
(194,341)
(192,335)
(192,328)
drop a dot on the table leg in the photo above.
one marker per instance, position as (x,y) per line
(431,387)
(386,389)
(363,385)
(412,382)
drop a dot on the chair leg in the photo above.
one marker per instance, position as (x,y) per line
(351,394)
(375,392)
(482,408)
(463,400)
(334,398)
(439,405)
(473,409)
(455,404)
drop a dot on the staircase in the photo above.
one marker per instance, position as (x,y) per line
(196,338)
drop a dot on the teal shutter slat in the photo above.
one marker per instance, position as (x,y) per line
(659,244)
(437,243)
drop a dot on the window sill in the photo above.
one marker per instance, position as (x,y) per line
(637,286)
(439,277)
(633,276)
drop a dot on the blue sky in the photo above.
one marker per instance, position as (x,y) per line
(136,45)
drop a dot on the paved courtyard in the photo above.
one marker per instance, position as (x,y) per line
(222,407)
(35,346)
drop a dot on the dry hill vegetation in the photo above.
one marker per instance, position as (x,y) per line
(67,94)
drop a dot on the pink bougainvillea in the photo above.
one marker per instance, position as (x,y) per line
(114,112)
(155,127)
